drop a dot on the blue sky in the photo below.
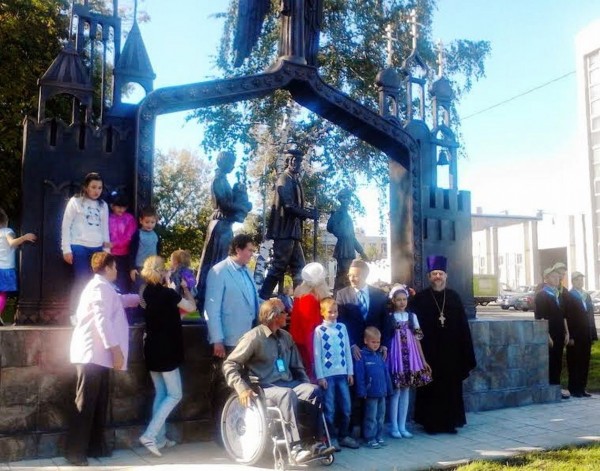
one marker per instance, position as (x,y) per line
(519,155)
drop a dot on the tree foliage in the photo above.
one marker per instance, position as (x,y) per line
(352,52)
(182,198)
(31,32)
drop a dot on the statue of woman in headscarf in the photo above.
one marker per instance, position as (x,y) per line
(229,206)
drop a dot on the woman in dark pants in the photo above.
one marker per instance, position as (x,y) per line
(100,342)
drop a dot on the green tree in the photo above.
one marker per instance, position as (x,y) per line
(352,52)
(182,199)
(31,32)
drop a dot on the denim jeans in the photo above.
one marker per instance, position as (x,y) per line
(82,257)
(336,398)
(168,394)
(374,417)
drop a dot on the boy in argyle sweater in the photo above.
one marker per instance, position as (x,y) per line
(334,372)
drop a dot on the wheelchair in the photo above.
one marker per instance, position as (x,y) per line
(248,432)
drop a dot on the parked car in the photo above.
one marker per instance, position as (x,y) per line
(595,295)
(525,302)
(508,300)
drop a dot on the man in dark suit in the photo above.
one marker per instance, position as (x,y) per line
(361,306)
(285,225)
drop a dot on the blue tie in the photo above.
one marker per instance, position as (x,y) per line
(362,303)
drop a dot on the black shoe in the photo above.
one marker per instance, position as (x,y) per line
(80,461)
(586,394)
(576,394)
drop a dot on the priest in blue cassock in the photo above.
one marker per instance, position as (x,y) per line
(448,349)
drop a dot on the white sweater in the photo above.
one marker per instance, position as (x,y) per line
(85,222)
(332,350)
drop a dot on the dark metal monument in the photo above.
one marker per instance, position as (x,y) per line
(340,224)
(424,218)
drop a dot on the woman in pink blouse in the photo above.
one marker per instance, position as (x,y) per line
(100,342)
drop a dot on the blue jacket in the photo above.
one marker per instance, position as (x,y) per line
(371,375)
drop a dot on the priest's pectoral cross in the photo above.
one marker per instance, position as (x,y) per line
(442,318)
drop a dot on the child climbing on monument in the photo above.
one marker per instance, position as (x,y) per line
(121,226)
(84,232)
(8,271)
(405,359)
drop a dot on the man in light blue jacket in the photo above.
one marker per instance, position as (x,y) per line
(231,304)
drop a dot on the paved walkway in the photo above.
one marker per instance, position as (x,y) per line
(488,435)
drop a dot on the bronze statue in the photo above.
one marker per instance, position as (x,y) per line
(229,206)
(340,225)
(300,29)
(285,225)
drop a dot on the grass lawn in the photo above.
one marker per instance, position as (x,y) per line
(565,459)
(594,374)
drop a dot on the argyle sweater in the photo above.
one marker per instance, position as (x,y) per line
(332,350)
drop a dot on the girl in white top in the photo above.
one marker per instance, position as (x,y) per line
(85,227)
(8,272)
(405,359)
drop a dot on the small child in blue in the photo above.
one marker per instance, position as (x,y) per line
(8,271)
(334,372)
(373,383)
(144,243)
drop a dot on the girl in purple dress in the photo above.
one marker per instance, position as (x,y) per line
(406,361)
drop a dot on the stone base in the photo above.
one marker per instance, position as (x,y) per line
(512,365)
(37,384)
(37,388)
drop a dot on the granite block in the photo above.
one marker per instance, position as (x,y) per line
(20,347)
(17,447)
(19,385)
(51,444)
(55,350)
(17,419)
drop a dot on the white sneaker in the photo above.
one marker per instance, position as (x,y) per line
(150,445)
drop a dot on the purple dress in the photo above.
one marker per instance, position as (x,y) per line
(404,362)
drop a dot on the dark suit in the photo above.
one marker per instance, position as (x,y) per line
(351,317)
(548,308)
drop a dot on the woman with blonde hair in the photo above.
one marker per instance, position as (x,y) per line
(306,312)
(163,347)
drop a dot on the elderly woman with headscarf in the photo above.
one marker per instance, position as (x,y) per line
(306,312)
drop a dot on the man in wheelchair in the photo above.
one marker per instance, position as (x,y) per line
(267,352)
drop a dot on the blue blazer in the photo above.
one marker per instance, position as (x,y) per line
(228,309)
(351,317)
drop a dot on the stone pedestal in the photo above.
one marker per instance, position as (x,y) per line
(37,389)
(512,365)
(37,384)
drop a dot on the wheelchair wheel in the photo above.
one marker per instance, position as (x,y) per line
(244,430)
(328,460)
